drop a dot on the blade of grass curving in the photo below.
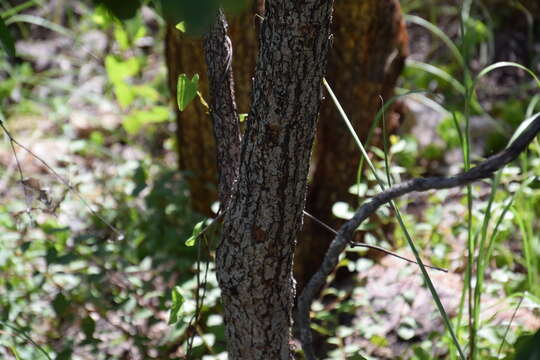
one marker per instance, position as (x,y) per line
(502,64)
(382,185)
(532,105)
(522,127)
(18,332)
(437,32)
(21,7)
(36,20)
(374,125)
(430,103)
(438,72)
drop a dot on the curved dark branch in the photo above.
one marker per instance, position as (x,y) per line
(218,53)
(344,236)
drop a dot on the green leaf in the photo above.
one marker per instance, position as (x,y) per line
(197,229)
(147,92)
(6,39)
(197,16)
(186,90)
(118,70)
(528,347)
(181,26)
(88,326)
(124,94)
(133,122)
(242,117)
(420,353)
(177,302)
(60,304)
(12,348)
(65,354)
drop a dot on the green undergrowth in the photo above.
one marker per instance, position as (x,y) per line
(121,280)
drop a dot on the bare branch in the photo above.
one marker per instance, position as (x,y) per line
(218,54)
(344,236)
(370,246)
(59,177)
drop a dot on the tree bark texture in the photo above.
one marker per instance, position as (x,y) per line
(197,149)
(367,55)
(255,255)
(370,47)
(218,52)
(366,34)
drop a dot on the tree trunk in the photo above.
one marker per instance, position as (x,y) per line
(370,46)
(254,257)
(196,145)
(368,52)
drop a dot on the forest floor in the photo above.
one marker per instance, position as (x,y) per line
(63,108)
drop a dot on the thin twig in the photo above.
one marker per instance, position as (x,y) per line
(508,327)
(369,246)
(484,170)
(21,176)
(59,177)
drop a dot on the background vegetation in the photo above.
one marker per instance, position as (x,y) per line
(95,269)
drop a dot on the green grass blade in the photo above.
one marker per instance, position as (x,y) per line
(23,335)
(524,124)
(375,123)
(351,129)
(503,64)
(497,225)
(385,147)
(437,32)
(438,72)
(21,7)
(425,274)
(14,352)
(508,327)
(36,20)
(482,258)
(460,133)
(6,39)
(532,105)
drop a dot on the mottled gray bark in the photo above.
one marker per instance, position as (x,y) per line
(254,257)
(218,53)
